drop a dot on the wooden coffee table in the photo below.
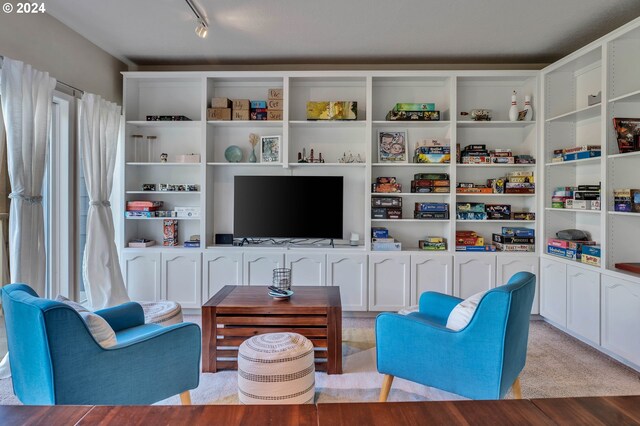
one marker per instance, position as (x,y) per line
(236,313)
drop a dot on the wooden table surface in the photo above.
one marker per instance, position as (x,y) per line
(506,412)
(617,410)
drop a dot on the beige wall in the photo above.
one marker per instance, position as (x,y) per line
(49,45)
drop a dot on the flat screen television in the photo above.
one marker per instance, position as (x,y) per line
(287,207)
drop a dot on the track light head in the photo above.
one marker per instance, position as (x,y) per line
(201,29)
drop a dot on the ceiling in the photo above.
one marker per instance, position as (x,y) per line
(241,32)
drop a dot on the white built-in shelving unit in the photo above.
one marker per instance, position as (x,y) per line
(374,280)
(597,304)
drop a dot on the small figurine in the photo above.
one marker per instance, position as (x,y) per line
(163,157)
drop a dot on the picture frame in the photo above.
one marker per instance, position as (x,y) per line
(270,149)
(392,146)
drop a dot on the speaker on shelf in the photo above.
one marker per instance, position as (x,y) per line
(224,239)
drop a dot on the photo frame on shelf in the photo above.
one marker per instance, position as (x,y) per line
(270,149)
(392,146)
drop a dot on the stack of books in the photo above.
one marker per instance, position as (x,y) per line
(581,197)
(501,156)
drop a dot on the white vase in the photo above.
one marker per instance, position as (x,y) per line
(513,111)
(528,108)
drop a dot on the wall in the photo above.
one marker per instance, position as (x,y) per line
(49,45)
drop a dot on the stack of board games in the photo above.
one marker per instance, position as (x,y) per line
(515,239)
(472,188)
(432,151)
(626,200)
(576,153)
(433,244)
(501,156)
(475,154)
(258,110)
(386,184)
(386,207)
(471,211)
(145,208)
(581,197)
(431,211)
(470,241)
(382,241)
(430,183)
(413,112)
(569,249)
(520,182)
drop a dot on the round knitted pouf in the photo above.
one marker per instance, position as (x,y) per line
(276,368)
(164,312)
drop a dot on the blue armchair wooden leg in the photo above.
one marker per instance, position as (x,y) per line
(517,391)
(386,387)
(185,398)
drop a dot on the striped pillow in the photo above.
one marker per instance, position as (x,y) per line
(98,326)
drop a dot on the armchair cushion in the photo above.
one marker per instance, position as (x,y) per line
(98,326)
(461,315)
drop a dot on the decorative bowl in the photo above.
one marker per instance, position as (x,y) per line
(233,154)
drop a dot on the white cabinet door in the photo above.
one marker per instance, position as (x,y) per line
(220,268)
(141,273)
(389,282)
(583,303)
(306,269)
(510,265)
(258,267)
(349,272)
(430,273)
(553,291)
(621,317)
(181,279)
(473,274)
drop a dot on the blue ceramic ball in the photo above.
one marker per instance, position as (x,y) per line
(233,154)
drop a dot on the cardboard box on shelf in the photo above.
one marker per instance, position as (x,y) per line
(241,104)
(219,114)
(220,103)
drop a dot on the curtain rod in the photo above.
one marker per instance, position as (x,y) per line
(75,89)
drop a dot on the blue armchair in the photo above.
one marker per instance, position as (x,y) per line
(55,359)
(480,361)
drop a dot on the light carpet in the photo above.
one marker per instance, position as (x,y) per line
(557,366)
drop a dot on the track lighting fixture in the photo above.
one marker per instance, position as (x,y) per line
(202,28)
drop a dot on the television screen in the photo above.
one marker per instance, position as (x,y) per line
(287,207)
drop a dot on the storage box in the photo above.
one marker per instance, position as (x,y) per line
(241,104)
(188,158)
(170,232)
(386,246)
(431,207)
(590,260)
(216,114)
(470,207)
(258,104)
(333,110)
(220,103)
(275,93)
(379,232)
(240,114)
(274,115)
(591,251)
(141,243)
(412,106)
(518,231)
(413,116)
(378,213)
(386,201)
(431,215)
(258,114)
(275,104)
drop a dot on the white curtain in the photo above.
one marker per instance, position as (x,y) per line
(26,96)
(4,255)
(99,128)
